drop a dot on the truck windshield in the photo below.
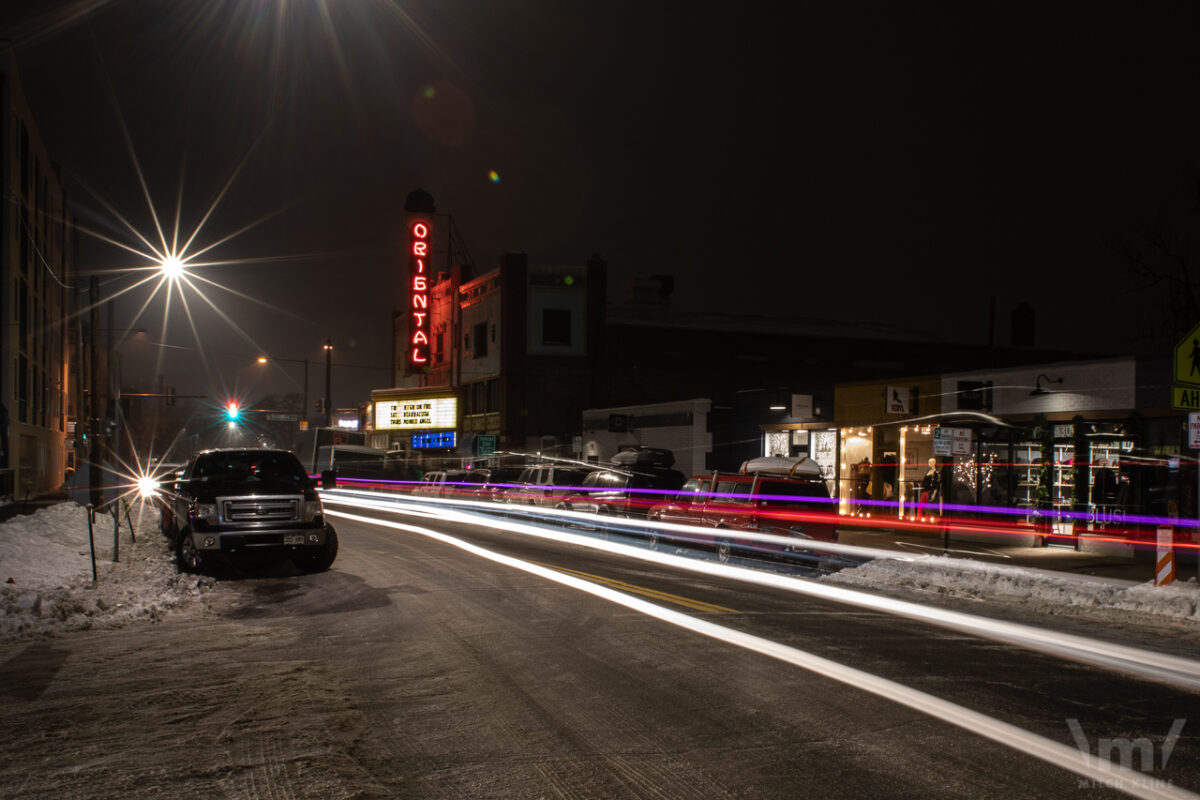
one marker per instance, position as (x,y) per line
(256,471)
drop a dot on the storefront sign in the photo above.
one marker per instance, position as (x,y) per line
(897,400)
(428,412)
(974,395)
(802,406)
(433,441)
(420,231)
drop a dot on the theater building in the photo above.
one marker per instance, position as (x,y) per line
(506,358)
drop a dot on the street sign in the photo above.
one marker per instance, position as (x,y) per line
(1187,358)
(1194,430)
(283,417)
(951,441)
(1185,398)
(485,444)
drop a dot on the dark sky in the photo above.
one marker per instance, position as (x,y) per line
(890,162)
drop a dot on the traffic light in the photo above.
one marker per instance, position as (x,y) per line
(232,412)
(170,395)
(320,405)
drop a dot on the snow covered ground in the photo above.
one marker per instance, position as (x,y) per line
(46,574)
(46,583)
(1033,590)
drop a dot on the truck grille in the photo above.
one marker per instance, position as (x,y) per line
(260,509)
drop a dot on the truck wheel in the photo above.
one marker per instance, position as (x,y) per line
(187,557)
(653,535)
(323,559)
(724,550)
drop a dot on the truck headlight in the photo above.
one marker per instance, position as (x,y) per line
(204,511)
(312,510)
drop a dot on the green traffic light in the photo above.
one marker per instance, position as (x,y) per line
(232,412)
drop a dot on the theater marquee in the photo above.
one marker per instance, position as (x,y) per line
(418,413)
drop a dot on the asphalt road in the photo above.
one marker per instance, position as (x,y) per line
(422,668)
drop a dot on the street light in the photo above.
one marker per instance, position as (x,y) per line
(171,266)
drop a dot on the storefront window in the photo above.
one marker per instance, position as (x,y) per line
(855,473)
(995,475)
(916,448)
(824,452)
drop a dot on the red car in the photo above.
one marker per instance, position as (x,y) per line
(781,502)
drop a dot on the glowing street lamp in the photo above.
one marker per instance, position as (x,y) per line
(171,267)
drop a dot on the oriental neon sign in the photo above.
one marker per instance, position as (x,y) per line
(420,233)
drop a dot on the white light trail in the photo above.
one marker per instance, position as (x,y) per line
(1173,670)
(1059,755)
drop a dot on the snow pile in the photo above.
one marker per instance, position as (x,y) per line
(46,574)
(1035,590)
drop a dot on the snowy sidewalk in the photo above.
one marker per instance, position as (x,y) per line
(46,574)
(46,582)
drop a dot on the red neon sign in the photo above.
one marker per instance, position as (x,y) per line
(420,232)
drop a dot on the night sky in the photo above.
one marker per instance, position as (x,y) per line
(899,163)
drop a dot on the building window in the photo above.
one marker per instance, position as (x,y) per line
(481,342)
(439,346)
(556,326)
(493,395)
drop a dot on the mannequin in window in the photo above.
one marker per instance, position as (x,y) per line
(931,484)
(862,480)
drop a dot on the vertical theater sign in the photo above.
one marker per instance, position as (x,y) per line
(420,234)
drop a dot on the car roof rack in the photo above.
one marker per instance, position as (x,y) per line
(802,467)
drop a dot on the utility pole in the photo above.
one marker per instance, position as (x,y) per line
(328,375)
(93,427)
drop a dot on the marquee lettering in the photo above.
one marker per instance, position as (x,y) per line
(420,232)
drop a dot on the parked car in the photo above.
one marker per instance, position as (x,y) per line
(247,504)
(546,484)
(767,497)
(491,483)
(441,483)
(623,492)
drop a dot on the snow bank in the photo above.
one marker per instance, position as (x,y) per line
(46,575)
(1035,590)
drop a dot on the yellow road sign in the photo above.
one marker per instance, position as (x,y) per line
(1187,358)
(1185,397)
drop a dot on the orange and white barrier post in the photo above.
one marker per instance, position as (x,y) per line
(1164,569)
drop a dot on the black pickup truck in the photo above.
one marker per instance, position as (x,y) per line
(247,504)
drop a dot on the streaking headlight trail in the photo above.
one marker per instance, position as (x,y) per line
(1060,755)
(1173,670)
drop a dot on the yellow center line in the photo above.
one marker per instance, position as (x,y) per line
(686,602)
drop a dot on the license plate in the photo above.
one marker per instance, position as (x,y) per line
(293,538)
